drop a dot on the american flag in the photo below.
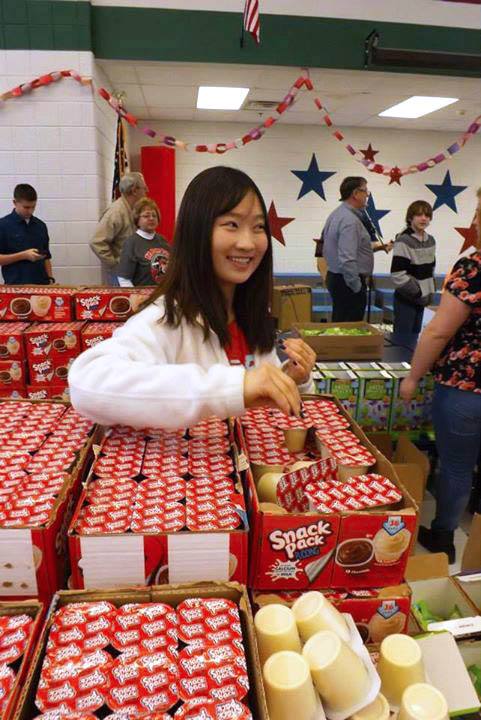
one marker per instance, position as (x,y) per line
(121,159)
(252,22)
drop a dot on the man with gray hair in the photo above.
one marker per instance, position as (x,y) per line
(116,225)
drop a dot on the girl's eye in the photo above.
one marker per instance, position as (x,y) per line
(230,223)
(261,227)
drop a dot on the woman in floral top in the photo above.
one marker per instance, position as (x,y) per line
(451,345)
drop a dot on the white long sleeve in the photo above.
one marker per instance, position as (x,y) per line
(150,374)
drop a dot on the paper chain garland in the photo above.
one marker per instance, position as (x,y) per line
(303,82)
(42,81)
(219,148)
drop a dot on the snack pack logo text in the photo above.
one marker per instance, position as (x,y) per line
(39,340)
(394,524)
(302,542)
(90,302)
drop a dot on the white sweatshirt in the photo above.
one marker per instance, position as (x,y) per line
(151,375)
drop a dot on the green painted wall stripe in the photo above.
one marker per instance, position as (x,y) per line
(196,36)
(179,35)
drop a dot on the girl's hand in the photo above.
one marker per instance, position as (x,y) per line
(268,385)
(408,389)
(302,359)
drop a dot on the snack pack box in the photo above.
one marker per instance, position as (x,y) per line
(298,549)
(377,612)
(53,340)
(40,302)
(375,393)
(94,332)
(48,392)
(147,626)
(11,340)
(12,374)
(50,370)
(406,416)
(17,394)
(113,304)
(344,385)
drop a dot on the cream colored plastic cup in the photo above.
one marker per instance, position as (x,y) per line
(313,612)
(377,710)
(258,470)
(267,487)
(276,630)
(423,702)
(400,665)
(295,439)
(289,689)
(340,676)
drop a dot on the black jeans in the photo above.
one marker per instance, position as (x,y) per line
(408,317)
(347,306)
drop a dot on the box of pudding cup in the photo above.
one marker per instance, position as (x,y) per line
(13,375)
(40,302)
(353,542)
(312,647)
(20,626)
(112,304)
(441,602)
(173,671)
(377,612)
(154,530)
(33,545)
(12,341)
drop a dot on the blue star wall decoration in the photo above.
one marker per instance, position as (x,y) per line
(446,193)
(312,179)
(375,214)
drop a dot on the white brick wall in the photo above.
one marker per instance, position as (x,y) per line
(289,147)
(61,139)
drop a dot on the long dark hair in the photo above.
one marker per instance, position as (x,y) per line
(189,287)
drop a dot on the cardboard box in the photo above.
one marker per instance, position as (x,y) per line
(34,560)
(53,340)
(94,332)
(376,612)
(470,585)
(48,392)
(446,670)
(429,580)
(17,394)
(471,559)
(406,416)
(344,386)
(343,347)
(39,302)
(291,304)
(12,341)
(172,595)
(104,561)
(284,544)
(470,651)
(375,394)
(36,611)
(12,374)
(410,463)
(101,303)
(49,371)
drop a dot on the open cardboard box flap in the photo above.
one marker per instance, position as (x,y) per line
(426,567)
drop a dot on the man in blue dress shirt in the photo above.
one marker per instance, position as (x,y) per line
(24,242)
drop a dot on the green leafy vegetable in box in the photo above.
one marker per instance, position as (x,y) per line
(339,331)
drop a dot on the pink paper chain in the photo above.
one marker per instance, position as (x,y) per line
(42,81)
(381,169)
(303,82)
(221,147)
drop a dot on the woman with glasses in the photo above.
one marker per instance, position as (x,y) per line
(145,254)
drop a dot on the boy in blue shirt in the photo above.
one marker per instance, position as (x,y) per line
(24,242)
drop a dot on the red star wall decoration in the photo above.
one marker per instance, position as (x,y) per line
(369,153)
(276,223)
(470,235)
(395,176)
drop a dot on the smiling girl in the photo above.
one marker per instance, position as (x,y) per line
(204,343)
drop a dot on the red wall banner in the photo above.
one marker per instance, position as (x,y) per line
(158,168)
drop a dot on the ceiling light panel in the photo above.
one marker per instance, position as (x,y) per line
(417,106)
(221,98)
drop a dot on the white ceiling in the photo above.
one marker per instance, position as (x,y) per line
(160,91)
